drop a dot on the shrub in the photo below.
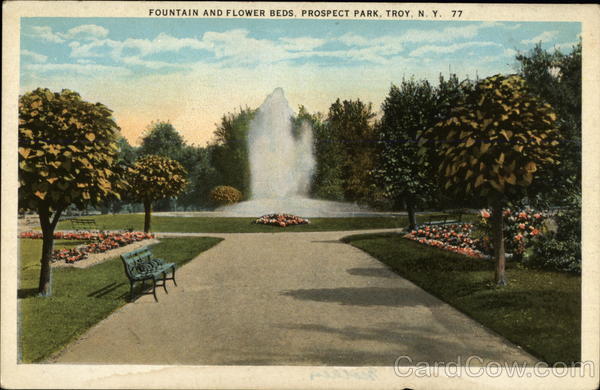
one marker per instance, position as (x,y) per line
(522,227)
(560,249)
(224,195)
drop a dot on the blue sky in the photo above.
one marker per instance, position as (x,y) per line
(192,71)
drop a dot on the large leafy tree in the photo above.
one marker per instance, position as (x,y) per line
(202,176)
(556,78)
(161,138)
(327,180)
(494,145)
(67,155)
(230,150)
(408,110)
(153,178)
(351,125)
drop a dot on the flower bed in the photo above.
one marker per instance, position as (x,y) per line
(454,238)
(99,242)
(521,227)
(282,220)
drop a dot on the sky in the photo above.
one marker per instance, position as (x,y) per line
(191,72)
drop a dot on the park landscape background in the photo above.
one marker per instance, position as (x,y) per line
(422,150)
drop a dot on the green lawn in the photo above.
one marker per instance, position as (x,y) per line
(81,297)
(236,225)
(538,310)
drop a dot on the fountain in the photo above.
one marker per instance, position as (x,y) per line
(281,167)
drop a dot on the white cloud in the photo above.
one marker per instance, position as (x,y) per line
(46,34)
(34,56)
(150,64)
(414,36)
(448,48)
(445,35)
(82,61)
(133,47)
(302,43)
(90,49)
(86,31)
(566,47)
(509,52)
(78,69)
(544,37)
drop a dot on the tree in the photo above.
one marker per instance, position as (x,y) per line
(202,176)
(154,177)
(408,110)
(127,153)
(327,180)
(556,78)
(230,150)
(494,145)
(161,138)
(351,127)
(67,155)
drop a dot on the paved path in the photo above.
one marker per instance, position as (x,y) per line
(287,298)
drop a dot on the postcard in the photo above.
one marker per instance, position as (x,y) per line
(300,195)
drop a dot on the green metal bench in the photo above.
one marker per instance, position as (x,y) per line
(141,265)
(445,219)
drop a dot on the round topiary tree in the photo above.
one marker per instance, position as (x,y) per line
(224,195)
(152,178)
(67,155)
(493,146)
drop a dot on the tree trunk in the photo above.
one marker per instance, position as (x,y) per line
(45,284)
(147,215)
(498,241)
(412,218)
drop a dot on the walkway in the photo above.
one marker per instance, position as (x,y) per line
(287,299)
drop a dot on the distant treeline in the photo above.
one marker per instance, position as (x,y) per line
(370,157)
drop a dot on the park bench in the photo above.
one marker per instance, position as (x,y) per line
(83,224)
(141,265)
(449,218)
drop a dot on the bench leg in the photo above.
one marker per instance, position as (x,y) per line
(165,281)
(131,292)
(154,289)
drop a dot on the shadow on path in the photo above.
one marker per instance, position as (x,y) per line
(372,272)
(366,296)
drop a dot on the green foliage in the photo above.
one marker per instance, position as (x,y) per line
(160,138)
(556,78)
(127,153)
(327,180)
(408,110)
(497,141)
(351,129)
(523,227)
(155,177)
(67,151)
(230,150)
(560,249)
(224,195)
(203,176)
